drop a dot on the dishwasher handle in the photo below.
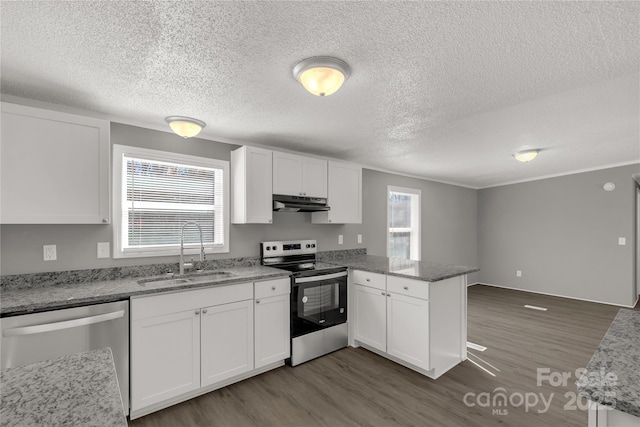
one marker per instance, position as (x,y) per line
(56,326)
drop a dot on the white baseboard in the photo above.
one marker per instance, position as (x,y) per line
(556,295)
(474,283)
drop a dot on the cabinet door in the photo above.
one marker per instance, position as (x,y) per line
(227,341)
(287,174)
(370,317)
(272,336)
(408,329)
(165,357)
(314,177)
(344,195)
(54,167)
(251,170)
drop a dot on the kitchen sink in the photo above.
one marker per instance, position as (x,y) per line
(191,278)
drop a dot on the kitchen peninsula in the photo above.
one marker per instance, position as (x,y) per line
(411,312)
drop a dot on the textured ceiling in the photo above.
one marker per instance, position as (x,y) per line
(442,90)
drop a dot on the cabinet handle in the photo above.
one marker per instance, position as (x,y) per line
(389,295)
(197,311)
(204,310)
(273,288)
(270,220)
(257,301)
(406,288)
(382,293)
(368,280)
(105,220)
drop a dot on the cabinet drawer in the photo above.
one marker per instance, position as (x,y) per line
(271,288)
(408,287)
(150,306)
(365,278)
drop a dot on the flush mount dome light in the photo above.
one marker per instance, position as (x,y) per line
(186,127)
(526,155)
(321,75)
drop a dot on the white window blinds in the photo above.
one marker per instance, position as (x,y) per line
(158,196)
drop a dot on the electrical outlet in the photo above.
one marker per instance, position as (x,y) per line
(518,273)
(622,241)
(340,239)
(103,249)
(359,238)
(49,252)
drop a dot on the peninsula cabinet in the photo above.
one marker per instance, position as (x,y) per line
(421,325)
(251,186)
(54,167)
(344,195)
(295,175)
(188,343)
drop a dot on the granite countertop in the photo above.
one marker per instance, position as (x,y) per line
(419,270)
(28,299)
(75,390)
(612,377)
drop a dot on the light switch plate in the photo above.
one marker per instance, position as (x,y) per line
(340,239)
(518,273)
(622,241)
(359,238)
(103,249)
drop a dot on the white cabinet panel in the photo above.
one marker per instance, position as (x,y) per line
(408,329)
(371,313)
(272,337)
(251,183)
(165,357)
(295,175)
(344,195)
(287,174)
(227,341)
(314,177)
(54,167)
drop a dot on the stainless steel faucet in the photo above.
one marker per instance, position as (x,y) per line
(202,254)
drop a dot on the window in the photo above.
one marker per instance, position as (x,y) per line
(403,223)
(155,193)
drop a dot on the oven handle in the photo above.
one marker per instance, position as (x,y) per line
(48,327)
(319,278)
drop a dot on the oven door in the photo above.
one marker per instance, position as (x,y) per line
(317,302)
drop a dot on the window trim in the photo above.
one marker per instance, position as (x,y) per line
(415,213)
(121,150)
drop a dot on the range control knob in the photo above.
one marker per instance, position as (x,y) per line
(308,245)
(275,248)
(313,245)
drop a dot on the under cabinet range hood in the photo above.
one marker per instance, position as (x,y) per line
(282,203)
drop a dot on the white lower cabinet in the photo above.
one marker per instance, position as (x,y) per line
(272,336)
(371,316)
(408,329)
(165,357)
(419,324)
(188,343)
(227,341)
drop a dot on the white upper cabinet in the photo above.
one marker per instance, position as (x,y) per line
(54,167)
(344,195)
(295,175)
(251,171)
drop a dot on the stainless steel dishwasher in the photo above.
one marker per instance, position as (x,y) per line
(40,336)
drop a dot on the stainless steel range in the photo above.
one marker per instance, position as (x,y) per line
(318,298)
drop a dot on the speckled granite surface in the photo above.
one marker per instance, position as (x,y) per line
(612,377)
(23,299)
(75,390)
(114,273)
(419,270)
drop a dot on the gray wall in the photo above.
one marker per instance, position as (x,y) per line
(562,233)
(449,220)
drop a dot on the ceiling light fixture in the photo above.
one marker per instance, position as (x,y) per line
(321,75)
(186,127)
(526,155)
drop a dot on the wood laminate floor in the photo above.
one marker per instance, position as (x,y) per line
(354,387)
